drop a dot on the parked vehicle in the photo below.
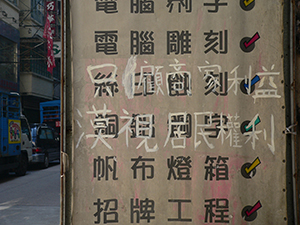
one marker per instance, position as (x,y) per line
(50,114)
(26,143)
(45,143)
(15,137)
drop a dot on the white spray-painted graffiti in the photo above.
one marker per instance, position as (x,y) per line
(208,126)
(149,80)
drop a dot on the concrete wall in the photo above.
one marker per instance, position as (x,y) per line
(11,11)
(35,85)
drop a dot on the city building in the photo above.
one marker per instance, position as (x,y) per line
(9,45)
(23,52)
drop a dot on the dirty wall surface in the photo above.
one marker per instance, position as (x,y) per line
(178,112)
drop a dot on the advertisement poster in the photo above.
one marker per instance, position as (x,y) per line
(14,131)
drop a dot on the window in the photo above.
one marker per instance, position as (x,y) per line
(37,10)
(25,129)
(42,134)
(49,134)
(15,2)
(8,60)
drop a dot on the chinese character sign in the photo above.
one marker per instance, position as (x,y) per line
(178,112)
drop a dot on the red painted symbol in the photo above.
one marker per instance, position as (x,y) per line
(252,40)
(253,209)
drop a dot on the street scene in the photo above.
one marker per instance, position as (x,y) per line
(30,136)
(159,112)
(33,199)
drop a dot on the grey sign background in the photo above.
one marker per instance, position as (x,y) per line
(268,184)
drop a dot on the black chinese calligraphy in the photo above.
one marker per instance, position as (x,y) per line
(215,6)
(142,210)
(179,128)
(179,168)
(142,43)
(108,207)
(106,42)
(216,210)
(216,42)
(179,82)
(218,169)
(141,6)
(179,212)
(179,4)
(140,163)
(104,125)
(107,6)
(104,166)
(179,42)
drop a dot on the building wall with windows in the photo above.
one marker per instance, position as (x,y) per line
(9,45)
(23,53)
(36,83)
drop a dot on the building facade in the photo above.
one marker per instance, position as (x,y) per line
(9,46)
(23,53)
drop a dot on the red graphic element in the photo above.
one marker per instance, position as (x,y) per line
(50,6)
(252,40)
(49,36)
(254,209)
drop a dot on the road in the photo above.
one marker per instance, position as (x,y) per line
(33,199)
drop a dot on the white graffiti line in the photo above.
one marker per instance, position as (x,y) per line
(177,66)
(178,132)
(142,126)
(272,145)
(79,140)
(179,85)
(158,80)
(265,93)
(271,82)
(104,111)
(209,69)
(145,141)
(111,79)
(78,123)
(252,122)
(222,128)
(144,75)
(200,126)
(100,124)
(249,81)
(213,82)
(252,135)
(230,137)
(128,77)
(126,127)
(175,145)
(235,80)
(79,113)
(204,134)
(268,73)
(98,137)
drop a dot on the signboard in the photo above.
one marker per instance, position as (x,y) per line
(178,110)
(57,49)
